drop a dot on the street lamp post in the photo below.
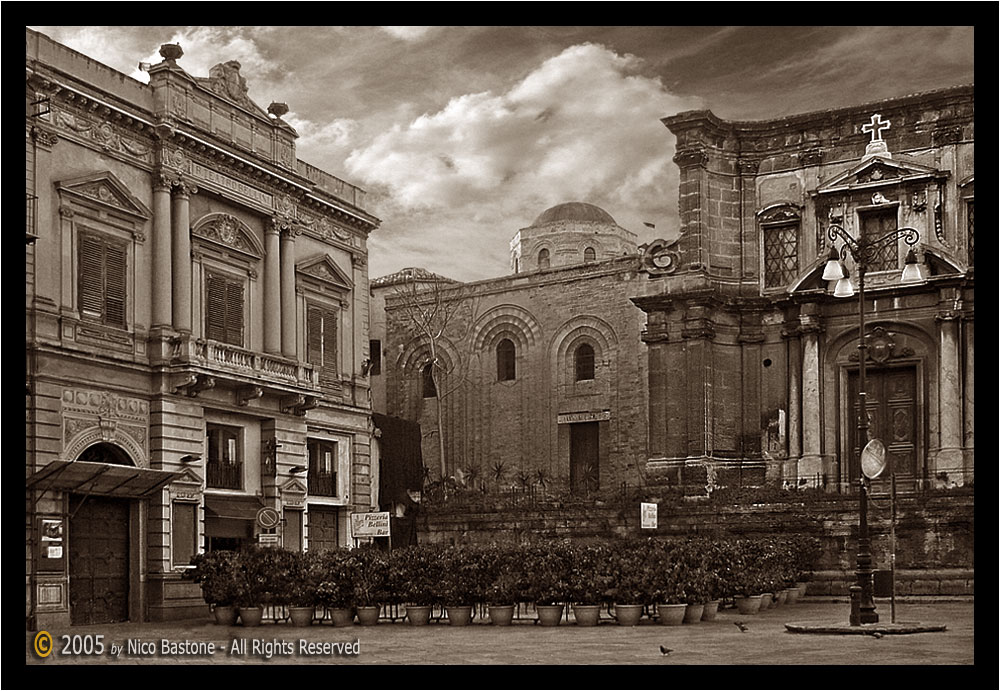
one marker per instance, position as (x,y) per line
(864,250)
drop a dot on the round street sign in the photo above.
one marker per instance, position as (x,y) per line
(268,518)
(873,459)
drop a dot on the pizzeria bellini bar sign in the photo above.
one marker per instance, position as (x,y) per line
(370,524)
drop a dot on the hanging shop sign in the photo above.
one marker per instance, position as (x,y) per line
(648,514)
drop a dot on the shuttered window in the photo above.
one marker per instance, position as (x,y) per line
(224,309)
(102,279)
(321,337)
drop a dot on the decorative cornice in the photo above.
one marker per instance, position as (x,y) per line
(689,158)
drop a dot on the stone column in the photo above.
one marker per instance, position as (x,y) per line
(811,465)
(949,457)
(970,370)
(162,311)
(272,290)
(181,227)
(794,401)
(288,335)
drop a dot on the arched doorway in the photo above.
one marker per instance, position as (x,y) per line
(99,548)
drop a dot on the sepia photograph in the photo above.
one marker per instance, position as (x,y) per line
(500,345)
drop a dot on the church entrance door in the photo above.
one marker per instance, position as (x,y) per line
(584,457)
(892,415)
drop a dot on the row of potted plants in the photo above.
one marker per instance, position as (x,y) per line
(629,574)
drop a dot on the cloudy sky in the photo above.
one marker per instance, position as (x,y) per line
(462,135)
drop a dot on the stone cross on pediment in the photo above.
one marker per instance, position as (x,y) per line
(875,127)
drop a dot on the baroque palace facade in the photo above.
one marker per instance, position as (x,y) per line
(196,336)
(720,357)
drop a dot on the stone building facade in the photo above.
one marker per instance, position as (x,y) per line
(197,310)
(540,374)
(753,363)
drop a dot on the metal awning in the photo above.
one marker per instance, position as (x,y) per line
(244,508)
(100,479)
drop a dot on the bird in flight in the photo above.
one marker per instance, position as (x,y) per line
(741,626)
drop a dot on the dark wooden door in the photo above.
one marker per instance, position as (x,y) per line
(584,457)
(98,560)
(892,411)
(323,528)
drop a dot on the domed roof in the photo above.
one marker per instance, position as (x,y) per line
(574,211)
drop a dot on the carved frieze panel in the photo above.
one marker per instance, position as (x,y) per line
(90,417)
(109,136)
(229,232)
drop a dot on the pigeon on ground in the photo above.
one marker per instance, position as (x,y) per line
(665,651)
(877,635)
(742,627)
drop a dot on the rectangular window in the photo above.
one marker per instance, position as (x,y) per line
(184,532)
(224,469)
(877,224)
(322,479)
(102,279)
(375,354)
(292,539)
(224,309)
(781,254)
(321,342)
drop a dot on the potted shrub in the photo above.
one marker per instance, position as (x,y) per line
(501,581)
(668,588)
(218,574)
(462,583)
(633,580)
(589,582)
(335,591)
(370,570)
(304,593)
(546,567)
(695,593)
(414,573)
(255,591)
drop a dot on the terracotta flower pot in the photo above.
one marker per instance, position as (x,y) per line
(766,601)
(692,614)
(550,615)
(748,605)
(501,615)
(459,615)
(628,615)
(803,586)
(251,616)
(792,595)
(301,616)
(342,616)
(225,615)
(711,609)
(587,615)
(671,615)
(368,616)
(780,597)
(418,615)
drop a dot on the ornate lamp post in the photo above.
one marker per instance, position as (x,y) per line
(864,251)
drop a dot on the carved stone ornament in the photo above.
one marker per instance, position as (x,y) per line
(882,347)
(812,157)
(226,80)
(919,201)
(690,157)
(749,166)
(781,214)
(660,257)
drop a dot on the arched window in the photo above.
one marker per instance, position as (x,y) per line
(589,254)
(505,360)
(429,390)
(584,358)
(543,259)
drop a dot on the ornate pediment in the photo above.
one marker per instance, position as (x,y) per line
(104,189)
(293,492)
(323,269)
(878,171)
(186,486)
(230,232)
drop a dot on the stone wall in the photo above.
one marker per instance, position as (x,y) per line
(935,532)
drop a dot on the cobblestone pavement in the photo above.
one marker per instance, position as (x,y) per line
(765,642)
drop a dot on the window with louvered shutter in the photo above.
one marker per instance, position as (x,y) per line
(223,309)
(102,279)
(321,342)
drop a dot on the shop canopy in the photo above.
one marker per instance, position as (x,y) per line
(100,479)
(239,507)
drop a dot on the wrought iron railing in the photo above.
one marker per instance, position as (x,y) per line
(223,475)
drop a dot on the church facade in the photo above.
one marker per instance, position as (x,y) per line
(753,361)
(196,336)
(539,377)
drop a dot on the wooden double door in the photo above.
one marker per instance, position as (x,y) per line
(892,418)
(98,560)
